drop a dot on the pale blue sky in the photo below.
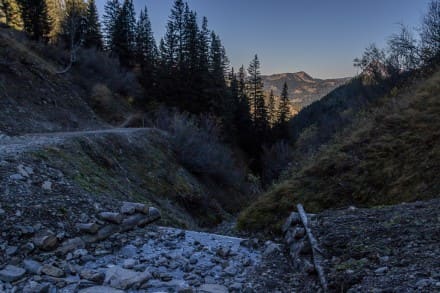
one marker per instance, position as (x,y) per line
(321,37)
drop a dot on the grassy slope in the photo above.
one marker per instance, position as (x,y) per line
(138,167)
(390,155)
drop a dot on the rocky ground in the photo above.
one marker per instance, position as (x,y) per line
(384,249)
(153,259)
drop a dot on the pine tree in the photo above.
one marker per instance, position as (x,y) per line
(35,18)
(10,13)
(173,46)
(112,10)
(123,40)
(256,95)
(55,10)
(271,108)
(283,113)
(146,50)
(93,35)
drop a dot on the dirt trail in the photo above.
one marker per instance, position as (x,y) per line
(13,145)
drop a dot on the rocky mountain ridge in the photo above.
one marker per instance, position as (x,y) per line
(303,89)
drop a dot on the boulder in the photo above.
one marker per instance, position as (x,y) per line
(46,240)
(71,245)
(52,271)
(124,279)
(11,273)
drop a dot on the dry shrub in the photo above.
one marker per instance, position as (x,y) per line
(197,143)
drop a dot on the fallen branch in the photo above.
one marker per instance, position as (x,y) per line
(316,252)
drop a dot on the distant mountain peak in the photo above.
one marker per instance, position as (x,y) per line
(303,88)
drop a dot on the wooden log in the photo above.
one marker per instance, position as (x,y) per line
(316,252)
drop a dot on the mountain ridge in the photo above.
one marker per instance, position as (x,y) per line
(303,88)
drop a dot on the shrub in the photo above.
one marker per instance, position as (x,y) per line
(198,146)
(276,159)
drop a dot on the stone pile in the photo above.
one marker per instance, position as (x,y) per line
(300,250)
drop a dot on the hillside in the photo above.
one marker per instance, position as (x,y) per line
(303,89)
(390,154)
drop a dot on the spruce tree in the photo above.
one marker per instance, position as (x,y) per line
(283,113)
(55,10)
(123,40)
(10,13)
(35,18)
(256,95)
(93,35)
(146,50)
(271,115)
(112,10)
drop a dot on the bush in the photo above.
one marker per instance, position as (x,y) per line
(108,70)
(197,144)
(276,159)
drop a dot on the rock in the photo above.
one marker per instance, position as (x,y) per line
(154,214)
(130,208)
(223,252)
(129,263)
(28,247)
(236,287)
(93,276)
(16,177)
(11,273)
(193,260)
(212,288)
(52,271)
(102,234)
(129,251)
(71,245)
(90,228)
(115,218)
(100,289)
(46,240)
(121,278)
(2,212)
(32,266)
(33,287)
(271,248)
(381,271)
(47,185)
(11,250)
(231,271)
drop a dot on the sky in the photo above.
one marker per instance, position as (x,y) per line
(320,37)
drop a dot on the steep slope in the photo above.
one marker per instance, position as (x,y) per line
(390,155)
(33,98)
(303,89)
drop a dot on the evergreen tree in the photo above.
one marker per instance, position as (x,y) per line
(93,35)
(173,46)
(204,45)
(271,108)
(10,13)
(283,112)
(256,96)
(112,10)
(243,120)
(55,10)
(123,39)
(146,50)
(35,18)
(74,23)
